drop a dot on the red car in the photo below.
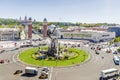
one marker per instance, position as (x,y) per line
(2,61)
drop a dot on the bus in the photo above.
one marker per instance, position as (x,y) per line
(116,60)
(109,74)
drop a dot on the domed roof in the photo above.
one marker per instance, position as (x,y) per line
(30,18)
(44,20)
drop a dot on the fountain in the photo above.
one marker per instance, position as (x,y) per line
(53,46)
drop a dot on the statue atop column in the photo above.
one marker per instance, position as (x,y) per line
(52,51)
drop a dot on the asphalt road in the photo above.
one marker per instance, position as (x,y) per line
(89,70)
(86,71)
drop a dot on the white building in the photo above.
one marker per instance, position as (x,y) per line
(92,35)
(9,34)
(22,35)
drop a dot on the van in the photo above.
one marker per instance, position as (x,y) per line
(116,60)
(31,70)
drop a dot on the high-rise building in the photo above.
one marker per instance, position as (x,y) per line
(45,28)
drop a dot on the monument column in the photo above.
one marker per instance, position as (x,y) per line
(30,28)
(45,28)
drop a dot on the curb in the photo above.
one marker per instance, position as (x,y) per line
(84,62)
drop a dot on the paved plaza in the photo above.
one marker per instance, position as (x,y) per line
(90,70)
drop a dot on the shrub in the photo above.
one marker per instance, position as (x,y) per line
(50,58)
(66,57)
(118,50)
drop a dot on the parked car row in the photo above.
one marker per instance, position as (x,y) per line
(72,45)
(44,73)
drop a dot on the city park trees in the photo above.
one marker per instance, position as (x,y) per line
(38,24)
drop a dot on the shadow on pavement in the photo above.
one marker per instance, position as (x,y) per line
(28,75)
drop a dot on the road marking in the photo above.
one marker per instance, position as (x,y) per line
(13,58)
(51,73)
(17,59)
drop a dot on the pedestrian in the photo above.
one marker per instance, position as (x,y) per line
(8,61)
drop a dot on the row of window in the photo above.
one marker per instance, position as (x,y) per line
(77,35)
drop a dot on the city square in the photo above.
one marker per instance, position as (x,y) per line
(59,40)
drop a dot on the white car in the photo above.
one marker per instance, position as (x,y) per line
(46,69)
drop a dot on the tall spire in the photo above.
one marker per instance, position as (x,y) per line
(25,18)
(20,19)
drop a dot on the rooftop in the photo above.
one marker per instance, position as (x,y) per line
(9,29)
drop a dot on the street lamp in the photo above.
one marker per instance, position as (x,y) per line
(57,55)
(42,61)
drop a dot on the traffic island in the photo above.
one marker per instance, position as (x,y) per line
(69,57)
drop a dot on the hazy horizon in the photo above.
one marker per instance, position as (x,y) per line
(82,11)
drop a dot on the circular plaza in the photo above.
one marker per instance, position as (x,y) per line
(68,57)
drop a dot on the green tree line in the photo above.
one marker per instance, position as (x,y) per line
(37,24)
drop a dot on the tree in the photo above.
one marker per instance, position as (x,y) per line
(117,39)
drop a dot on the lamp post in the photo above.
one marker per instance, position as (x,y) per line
(42,61)
(56,62)
(57,58)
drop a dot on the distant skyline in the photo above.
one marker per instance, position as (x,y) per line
(83,11)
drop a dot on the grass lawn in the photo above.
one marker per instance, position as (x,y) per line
(26,57)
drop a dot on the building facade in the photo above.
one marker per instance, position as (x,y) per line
(115,29)
(95,36)
(7,34)
(27,24)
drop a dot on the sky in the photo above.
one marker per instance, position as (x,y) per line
(84,11)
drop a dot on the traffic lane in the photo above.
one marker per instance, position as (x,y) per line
(8,69)
(7,72)
(89,71)
(7,56)
(77,73)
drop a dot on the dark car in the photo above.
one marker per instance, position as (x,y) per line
(109,51)
(96,52)
(18,72)
(93,48)
(2,51)
(115,52)
(78,45)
